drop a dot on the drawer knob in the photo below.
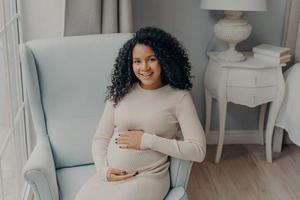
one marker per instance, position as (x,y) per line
(254,99)
(255,80)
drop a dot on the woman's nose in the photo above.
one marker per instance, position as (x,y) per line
(145,66)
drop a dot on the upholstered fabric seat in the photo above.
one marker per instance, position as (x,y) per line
(71,179)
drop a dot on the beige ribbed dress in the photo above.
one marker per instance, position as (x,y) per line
(171,128)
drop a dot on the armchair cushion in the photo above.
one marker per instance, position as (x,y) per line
(39,171)
(71,179)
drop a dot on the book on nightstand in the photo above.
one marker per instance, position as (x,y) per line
(271,50)
(277,60)
(271,53)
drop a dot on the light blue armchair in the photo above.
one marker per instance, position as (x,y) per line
(66,79)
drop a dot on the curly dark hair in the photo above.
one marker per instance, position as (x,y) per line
(172,56)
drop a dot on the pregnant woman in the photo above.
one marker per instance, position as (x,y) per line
(149,115)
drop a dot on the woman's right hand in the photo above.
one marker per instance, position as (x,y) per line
(118,175)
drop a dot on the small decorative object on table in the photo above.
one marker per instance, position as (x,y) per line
(233,28)
(271,53)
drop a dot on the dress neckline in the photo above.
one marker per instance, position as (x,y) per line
(152,91)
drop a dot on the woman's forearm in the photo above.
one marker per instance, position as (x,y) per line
(102,138)
(188,149)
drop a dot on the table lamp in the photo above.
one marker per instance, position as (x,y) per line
(233,28)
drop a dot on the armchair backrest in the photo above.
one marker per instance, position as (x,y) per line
(70,75)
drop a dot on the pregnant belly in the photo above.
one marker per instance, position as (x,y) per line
(130,159)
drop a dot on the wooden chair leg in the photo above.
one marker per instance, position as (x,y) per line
(278,139)
(262,115)
(222,121)
(208,103)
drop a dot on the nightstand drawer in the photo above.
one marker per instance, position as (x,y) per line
(251,96)
(252,78)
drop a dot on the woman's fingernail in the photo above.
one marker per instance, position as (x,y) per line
(136,173)
(124,172)
(116,142)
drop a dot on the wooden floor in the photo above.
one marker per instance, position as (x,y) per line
(244,174)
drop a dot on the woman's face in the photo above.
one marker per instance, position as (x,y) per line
(146,67)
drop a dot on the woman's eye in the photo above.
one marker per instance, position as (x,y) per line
(153,59)
(136,62)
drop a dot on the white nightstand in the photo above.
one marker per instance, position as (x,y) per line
(251,83)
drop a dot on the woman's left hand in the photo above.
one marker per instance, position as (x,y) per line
(130,139)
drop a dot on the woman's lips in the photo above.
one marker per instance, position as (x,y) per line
(146,75)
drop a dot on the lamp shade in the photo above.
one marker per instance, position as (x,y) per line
(239,5)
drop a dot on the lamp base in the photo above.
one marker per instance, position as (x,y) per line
(231,55)
(232,29)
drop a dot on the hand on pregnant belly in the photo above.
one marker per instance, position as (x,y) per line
(130,139)
(118,175)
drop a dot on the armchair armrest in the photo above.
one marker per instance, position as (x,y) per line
(39,171)
(177,193)
(180,172)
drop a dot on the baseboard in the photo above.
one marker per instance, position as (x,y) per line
(235,137)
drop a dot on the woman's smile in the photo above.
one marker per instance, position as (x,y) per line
(147,75)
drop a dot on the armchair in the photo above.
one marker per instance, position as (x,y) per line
(65,80)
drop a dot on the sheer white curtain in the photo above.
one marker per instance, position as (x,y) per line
(291,24)
(4,106)
(13,152)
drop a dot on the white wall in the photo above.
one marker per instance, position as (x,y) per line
(193,27)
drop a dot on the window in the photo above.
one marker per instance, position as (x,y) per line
(13,152)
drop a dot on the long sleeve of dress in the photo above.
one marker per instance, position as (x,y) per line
(101,139)
(193,145)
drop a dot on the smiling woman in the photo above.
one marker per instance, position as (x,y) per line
(148,111)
